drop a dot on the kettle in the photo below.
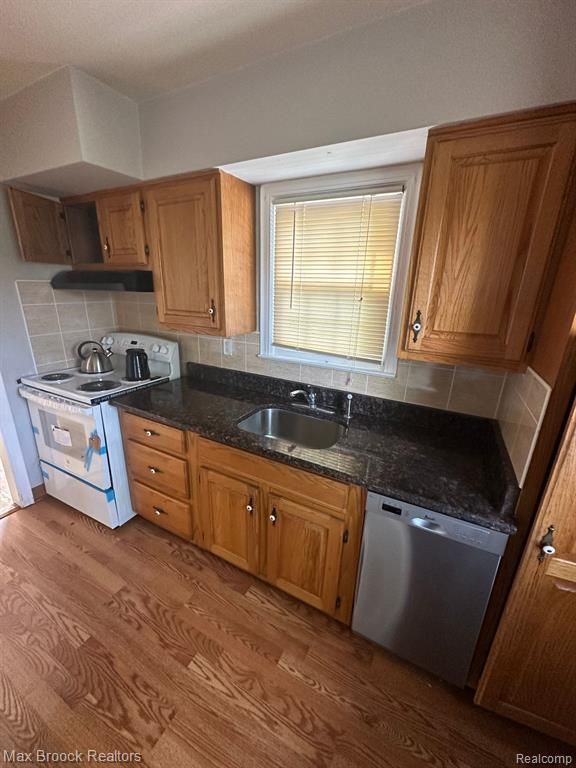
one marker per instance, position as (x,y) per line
(137,368)
(94,358)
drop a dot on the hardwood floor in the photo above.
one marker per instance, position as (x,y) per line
(133,640)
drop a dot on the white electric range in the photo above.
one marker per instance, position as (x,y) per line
(77,431)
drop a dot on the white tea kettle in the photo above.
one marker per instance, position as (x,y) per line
(94,358)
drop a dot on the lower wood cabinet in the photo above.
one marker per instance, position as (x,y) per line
(172,514)
(296,530)
(230,514)
(303,551)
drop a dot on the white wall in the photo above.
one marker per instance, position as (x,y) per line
(444,61)
(15,354)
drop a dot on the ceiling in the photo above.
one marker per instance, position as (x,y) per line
(144,48)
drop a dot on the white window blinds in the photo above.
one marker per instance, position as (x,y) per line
(333,267)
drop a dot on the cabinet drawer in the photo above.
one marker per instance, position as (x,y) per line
(168,513)
(153,434)
(157,470)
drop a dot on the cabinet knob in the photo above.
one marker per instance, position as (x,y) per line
(547,548)
(212,310)
(106,246)
(149,433)
(250,505)
(416,326)
(153,470)
(158,511)
(273,516)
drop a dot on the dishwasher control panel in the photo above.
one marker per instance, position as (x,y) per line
(438,523)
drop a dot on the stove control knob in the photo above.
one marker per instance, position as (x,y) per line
(155,347)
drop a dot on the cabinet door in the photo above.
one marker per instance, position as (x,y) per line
(183,221)
(229,510)
(489,209)
(303,552)
(121,223)
(40,227)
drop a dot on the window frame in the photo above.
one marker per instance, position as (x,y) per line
(408,176)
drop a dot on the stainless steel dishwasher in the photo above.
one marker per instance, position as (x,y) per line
(425,580)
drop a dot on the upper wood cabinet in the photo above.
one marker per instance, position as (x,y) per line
(121,224)
(40,227)
(491,199)
(203,253)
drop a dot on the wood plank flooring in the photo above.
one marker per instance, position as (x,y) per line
(136,641)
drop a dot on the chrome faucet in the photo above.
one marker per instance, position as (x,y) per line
(309,394)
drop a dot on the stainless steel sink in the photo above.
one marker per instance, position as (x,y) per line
(300,428)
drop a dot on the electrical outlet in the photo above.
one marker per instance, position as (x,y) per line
(227,347)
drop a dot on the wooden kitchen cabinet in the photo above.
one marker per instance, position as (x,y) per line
(299,531)
(161,464)
(203,253)
(491,200)
(230,518)
(40,228)
(122,233)
(302,533)
(303,551)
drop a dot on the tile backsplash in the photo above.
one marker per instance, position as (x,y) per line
(57,321)
(520,415)
(466,390)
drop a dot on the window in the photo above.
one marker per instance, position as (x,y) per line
(334,257)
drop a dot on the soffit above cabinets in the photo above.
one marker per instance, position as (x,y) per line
(373,152)
(69,134)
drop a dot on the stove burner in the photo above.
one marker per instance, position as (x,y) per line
(99,386)
(56,377)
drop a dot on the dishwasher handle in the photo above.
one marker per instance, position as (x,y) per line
(427,525)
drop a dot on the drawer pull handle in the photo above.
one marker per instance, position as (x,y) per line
(273,516)
(154,470)
(150,433)
(158,511)
(250,505)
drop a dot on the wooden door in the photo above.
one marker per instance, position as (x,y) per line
(488,213)
(530,675)
(183,221)
(229,509)
(303,551)
(40,228)
(121,223)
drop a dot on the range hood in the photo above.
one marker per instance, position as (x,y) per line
(104,280)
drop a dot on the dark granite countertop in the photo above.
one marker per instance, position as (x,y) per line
(446,462)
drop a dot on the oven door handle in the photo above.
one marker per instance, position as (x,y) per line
(50,402)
